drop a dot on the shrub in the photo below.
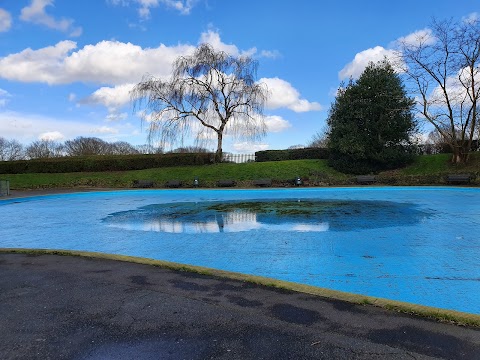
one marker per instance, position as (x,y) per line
(371,122)
(291,154)
(390,158)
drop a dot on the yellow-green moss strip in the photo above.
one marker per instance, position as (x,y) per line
(451,316)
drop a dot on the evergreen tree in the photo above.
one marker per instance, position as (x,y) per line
(370,122)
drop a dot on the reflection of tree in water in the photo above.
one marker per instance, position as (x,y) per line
(220,222)
(340,215)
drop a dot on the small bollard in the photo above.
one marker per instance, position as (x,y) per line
(195,182)
(298,181)
(4,187)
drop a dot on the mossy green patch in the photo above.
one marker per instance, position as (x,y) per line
(281,207)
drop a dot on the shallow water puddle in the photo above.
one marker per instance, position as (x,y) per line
(312,215)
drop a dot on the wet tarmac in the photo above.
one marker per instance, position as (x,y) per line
(65,307)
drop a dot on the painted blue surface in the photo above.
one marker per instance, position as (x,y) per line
(423,246)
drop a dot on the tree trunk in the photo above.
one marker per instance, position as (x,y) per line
(219,153)
(456,158)
(460,155)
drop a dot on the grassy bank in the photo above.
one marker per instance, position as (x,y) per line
(426,170)
(280,171)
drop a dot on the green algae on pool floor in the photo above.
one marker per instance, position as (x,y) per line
(294,214)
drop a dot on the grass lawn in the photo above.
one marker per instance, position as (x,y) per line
(440,164)
(426,170)
(208,175)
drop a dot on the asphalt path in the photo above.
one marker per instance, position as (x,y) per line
(66,307)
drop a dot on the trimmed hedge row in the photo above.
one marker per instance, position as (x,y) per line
(99,163)
(291,154)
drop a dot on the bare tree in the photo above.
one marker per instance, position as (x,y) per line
(297,146)
(319,140)
(148,149)
(438,141)
(444,65)
(209,94)
(10,150)
(122,148)
(86,146)
(190,149)
(42,149)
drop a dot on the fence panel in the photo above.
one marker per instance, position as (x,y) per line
(238,158)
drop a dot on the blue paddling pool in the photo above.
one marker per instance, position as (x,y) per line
(414,244)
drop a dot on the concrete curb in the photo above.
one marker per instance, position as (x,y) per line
(443,315)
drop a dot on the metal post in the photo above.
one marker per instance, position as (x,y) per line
(4,187)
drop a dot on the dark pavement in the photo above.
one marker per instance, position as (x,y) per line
(64,307)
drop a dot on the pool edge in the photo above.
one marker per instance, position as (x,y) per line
(443,315)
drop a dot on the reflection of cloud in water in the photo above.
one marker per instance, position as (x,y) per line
(308,215)
(234,221)
(313,228)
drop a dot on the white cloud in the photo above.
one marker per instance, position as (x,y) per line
(113,62)
(35,13)
(283,94)
(355,68)
(76,32)
(213,38)
(119,65)
(104,130)
(72,97)
(184,7)
(247,147)
(27,127)
(424,37)
(112,98)
(276,123)
(471,18)
(52,136)
(271,54)
(5,20)
(107,62)
(43,65)
(4,95)
(457,92)
(116,116)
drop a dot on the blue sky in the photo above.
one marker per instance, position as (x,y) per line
(66,67)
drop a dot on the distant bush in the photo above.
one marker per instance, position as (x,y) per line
(394,157)
(98,163)
(291,154)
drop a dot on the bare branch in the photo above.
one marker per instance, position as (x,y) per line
(207,90)
(446,77)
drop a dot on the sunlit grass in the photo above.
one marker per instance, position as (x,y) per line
(440,164)
(317,172)
(208,174)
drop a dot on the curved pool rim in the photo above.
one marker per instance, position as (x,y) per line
(422,310)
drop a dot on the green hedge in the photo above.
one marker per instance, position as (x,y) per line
(103,163)
(291,154)
(389,159)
